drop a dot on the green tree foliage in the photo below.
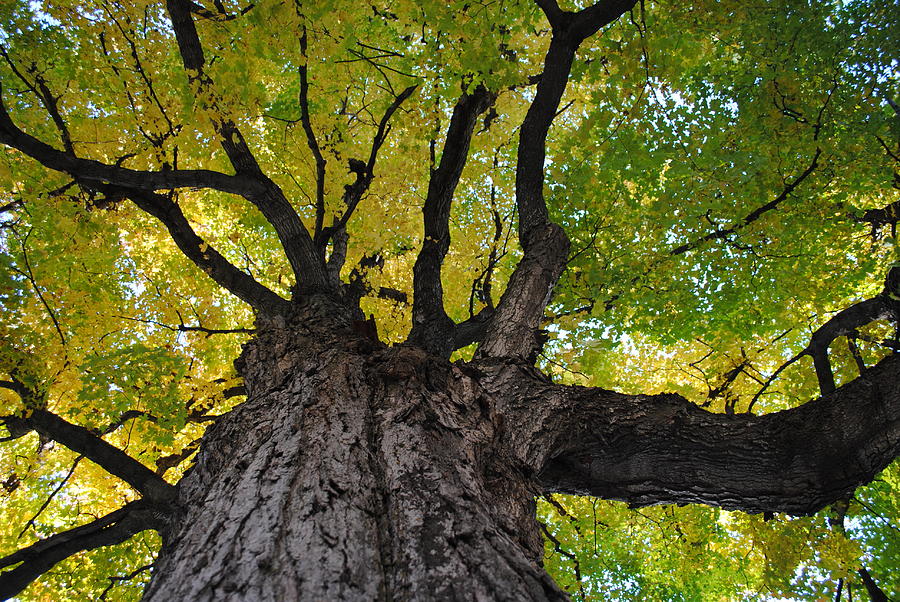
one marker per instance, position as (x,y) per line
(727,173)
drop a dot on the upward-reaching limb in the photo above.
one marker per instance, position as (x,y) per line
(40,557)
(140,187)
(365,170)
(432,329)
(205,256)
(308,266)
(150,512)
(88,170)
(83,441)
(512,329)
(311,141)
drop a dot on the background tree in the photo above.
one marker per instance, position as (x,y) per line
(675,202)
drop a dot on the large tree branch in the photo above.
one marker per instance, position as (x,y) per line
(577,27)
(41,556)
(889,214)
(107,456)
(307,265)
(592,19)
(655,449)
(88,170)
(194,61)
(569,30)
(140,186)
(876,594)
(844,323)
(518,315)
(432,327)
(472,330)
(213,263)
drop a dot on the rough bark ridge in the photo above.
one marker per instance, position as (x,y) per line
(656,449)
(353,472)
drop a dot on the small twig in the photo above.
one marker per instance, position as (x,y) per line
(566,368)
(49,499)
(576,565)
(857,356)
(119,578)
(185,328)
(29,274)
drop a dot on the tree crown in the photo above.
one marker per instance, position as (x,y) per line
(725,175)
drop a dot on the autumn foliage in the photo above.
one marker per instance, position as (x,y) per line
(726,175)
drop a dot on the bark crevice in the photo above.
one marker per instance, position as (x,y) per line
(353,473)
(656,449)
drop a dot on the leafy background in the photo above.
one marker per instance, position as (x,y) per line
(680,120)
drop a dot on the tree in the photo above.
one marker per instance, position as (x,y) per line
(650,186)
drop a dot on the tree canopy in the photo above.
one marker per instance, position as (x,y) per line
(727,174)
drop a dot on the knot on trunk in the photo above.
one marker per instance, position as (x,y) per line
(403,363)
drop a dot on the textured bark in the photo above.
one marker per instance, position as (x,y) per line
(656,449)
(513,327)
(359,472)
(353,472)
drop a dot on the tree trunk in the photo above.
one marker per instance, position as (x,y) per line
(353,472)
